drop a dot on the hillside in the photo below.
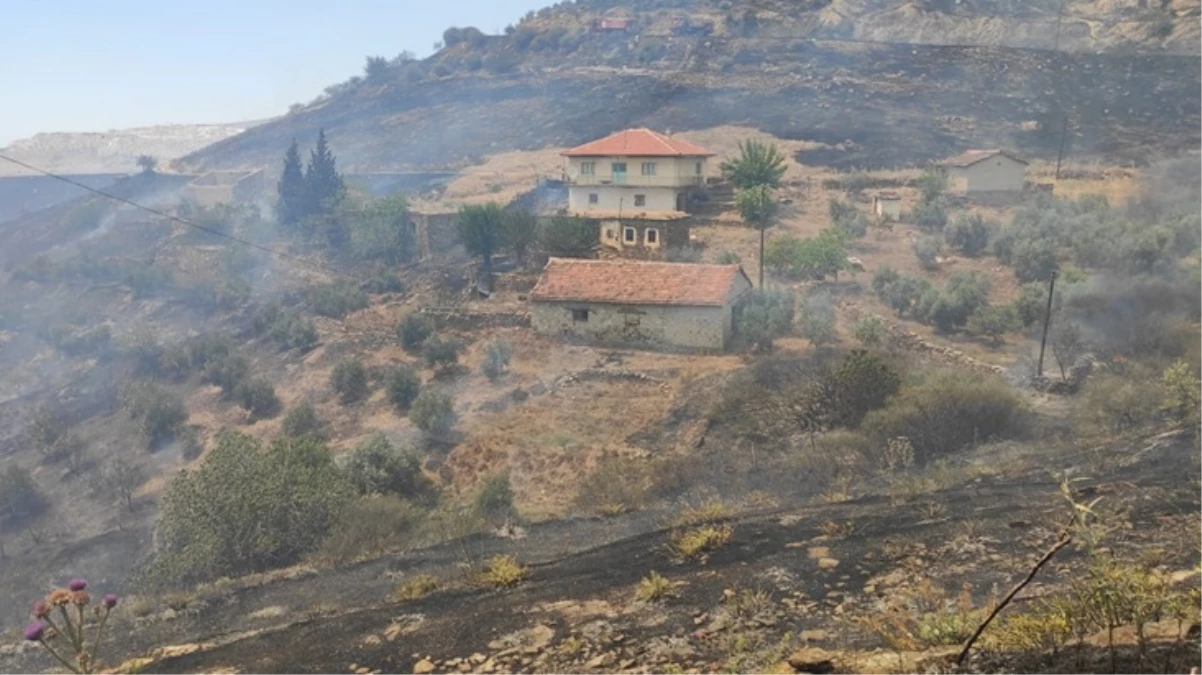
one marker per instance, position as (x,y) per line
(876,83)
(114,151)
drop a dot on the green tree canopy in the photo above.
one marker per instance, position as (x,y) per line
(481,230)
(757,164)
(569,237)
(246,509)
(379,230)
(290,207)
(324,187)
(521,232)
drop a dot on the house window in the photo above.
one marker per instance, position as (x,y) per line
(588,168)
(697,169)
(648,168)
(579,315)
(632,320)
(640,200)
(629,235)
(652,235)
(592,198)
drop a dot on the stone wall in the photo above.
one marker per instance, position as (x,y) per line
(643,326)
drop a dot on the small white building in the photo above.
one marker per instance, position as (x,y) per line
(633,172)
(985,171)
(887,205)
(652,304)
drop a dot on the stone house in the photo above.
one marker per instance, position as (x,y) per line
(648,304)
(633,173)
(226,187)
(645,236)
(985,171)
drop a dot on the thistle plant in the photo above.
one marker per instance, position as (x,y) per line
(63,625)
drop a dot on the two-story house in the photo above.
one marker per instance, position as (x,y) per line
(633,172)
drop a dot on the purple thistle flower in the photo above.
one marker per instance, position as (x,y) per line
(41,609)
(78,584)
(110,600)
(35,631)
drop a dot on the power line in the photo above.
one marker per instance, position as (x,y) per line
(163,214)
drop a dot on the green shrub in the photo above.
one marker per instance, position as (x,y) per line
(412,331)
(337,300)
(565,237)
(496,359)
(349,380)
(159,412)
(840,210)
(301,421)
(1034,259)
(994,321)
(246,510)
(929,217)
(433,412)
(377,466)
(950,309)
(818,319)
(290,329)
(968,234)
(871,331)
(1031,303)
(862,383)
(766,316)
(1181,397)
(727,258)
(947,412)
(402,384)
(441,353)
(494,501)
(258,397)
(191,445)
(927,250)
(227,372)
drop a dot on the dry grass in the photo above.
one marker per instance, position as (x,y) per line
(416,588)
(695,543)
(654,588)
(503,571)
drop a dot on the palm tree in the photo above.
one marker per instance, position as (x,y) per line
(757,164)
(757,206)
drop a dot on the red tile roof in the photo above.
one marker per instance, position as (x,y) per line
(638,143)
(970,157)
(628,282)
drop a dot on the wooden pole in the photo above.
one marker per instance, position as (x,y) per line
(1047,320)
(1063,137)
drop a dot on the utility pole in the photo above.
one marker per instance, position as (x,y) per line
(1063,137)
(1047,320)
(1059,14)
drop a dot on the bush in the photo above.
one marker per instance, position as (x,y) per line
(402,384)
(337,300)
(569,237)
(683,254)
(950,309)
(412,331)
(968,234)
(191,445)
(929,217)
(159,412)
(1181,397)
(368,528)
(871,331)
(862,383)
(727,258)
(301,421)
(289,328)
(818,319)
(377,466)
(947,412)
(227,372)
(441,353)
(1034,259)
(1031,303)
(258,397)
(927,250)
(433,412)
(994,321)
(496,359)
(494,501)
(349,380)
(840,210)
(246,510)
(766,316)
(654,588)
(503,571)
(1116,403)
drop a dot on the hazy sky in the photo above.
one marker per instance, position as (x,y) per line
(95,65)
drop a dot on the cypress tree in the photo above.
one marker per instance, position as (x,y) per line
(291,205)
(322,180)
